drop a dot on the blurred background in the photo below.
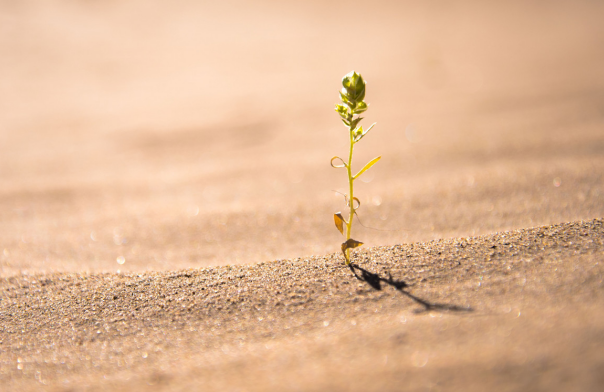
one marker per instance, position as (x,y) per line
(139,135)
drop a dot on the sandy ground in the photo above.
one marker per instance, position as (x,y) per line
(156,159)
(519,310)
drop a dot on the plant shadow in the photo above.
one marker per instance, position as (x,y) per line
(375,281)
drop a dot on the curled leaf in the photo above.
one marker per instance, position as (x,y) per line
(367,166)
(338,166)
(349,244)
(339,221)
(354,199)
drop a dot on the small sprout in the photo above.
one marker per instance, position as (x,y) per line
(352,96)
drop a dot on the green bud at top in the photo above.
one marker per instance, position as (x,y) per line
(352,80)
(354,87)
(351,96)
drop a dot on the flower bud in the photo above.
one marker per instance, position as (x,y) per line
(352,95)
(354,86)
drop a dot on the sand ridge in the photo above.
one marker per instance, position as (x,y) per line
(178,330)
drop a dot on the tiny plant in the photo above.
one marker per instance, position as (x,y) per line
(352,96)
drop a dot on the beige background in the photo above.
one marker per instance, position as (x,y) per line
(191,134)
(149,137)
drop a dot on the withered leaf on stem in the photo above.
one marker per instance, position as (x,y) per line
(339,220)
(337,166)
(350,244)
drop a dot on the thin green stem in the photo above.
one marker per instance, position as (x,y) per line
(350,194)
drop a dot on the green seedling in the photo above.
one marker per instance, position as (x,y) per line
(352,96)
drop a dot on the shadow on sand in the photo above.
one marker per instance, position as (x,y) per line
(374,280)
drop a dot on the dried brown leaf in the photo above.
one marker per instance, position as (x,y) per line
(350,244)
(339,221)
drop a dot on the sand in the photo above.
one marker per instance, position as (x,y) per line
(166,198)
(518,310)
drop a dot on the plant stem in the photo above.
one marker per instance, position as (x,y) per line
(350,194)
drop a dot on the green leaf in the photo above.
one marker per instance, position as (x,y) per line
(367,166)
(339,221)
(354,122)
(343,96)
(345,122)
(369,129)
(361,107)
(360,95)
(343,110)
(357,134)
(364,133)
(347,79)
(359,82)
